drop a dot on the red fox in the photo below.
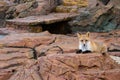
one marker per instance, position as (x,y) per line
(88,45)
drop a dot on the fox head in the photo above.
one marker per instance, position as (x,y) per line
(83,38)
(84,41)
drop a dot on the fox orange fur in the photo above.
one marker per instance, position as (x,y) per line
(87,44)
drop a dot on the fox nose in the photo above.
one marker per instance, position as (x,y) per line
(83,44)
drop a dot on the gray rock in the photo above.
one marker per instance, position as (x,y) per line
(3,8)
(101,18)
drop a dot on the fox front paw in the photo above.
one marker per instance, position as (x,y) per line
(87,51)
(78,51)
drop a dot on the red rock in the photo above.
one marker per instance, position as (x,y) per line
(70,67)
(24,6)
(27,39)
(18,51)
(115,53)
(43,19)
(34,23)
(5,75)
(68,44)
(30,7)
(44,7)
(11,59)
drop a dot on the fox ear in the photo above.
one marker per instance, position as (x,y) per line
(79,35)
(88,34)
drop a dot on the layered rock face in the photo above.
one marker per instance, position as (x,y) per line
(95,15)
(101,16)
(3,8)
(71,5)
(23,8)
(53,22)
(70,67)
(43,56)
(10,9)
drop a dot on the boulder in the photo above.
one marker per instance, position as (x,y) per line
(68,6)
(70,67)
(66,9)
(29,40)
(43,41)
(20,1)
(102,16)
(67,45)
(54,22)
(42,19)
(44,7)
(3,5)
(20,9)
(6,31)
(3,8)
(11,59)
(5,74)
(80,3)
(24,8)
(42,56)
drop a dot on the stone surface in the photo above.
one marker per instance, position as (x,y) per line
(6,31)
(68,45)
(115,53)
(25,8)
(44,19)
(66,9)
(68,6)
(29,40)
(38,23)
(45,56)
(100,17)
(11,59)
(5,74)
(79,3)
(18,50)
(3,5)
(3,8)
(45,40)
(91,16)
(10,9)
(116,58)
(70,67)
(44,7)
(42,56)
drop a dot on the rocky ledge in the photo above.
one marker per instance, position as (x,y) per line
(45,56)
(69,67)
(43,19)
(35,23)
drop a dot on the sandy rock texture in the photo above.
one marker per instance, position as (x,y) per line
(102,16)
(25,8)
(94,15)
(43,56)
(70,67)
(67,6)
(3,8)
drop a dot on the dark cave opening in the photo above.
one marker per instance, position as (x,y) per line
(57,28)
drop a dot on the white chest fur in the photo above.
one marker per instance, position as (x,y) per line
(85,47)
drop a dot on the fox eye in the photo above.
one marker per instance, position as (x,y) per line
(86,40)
(81,40)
